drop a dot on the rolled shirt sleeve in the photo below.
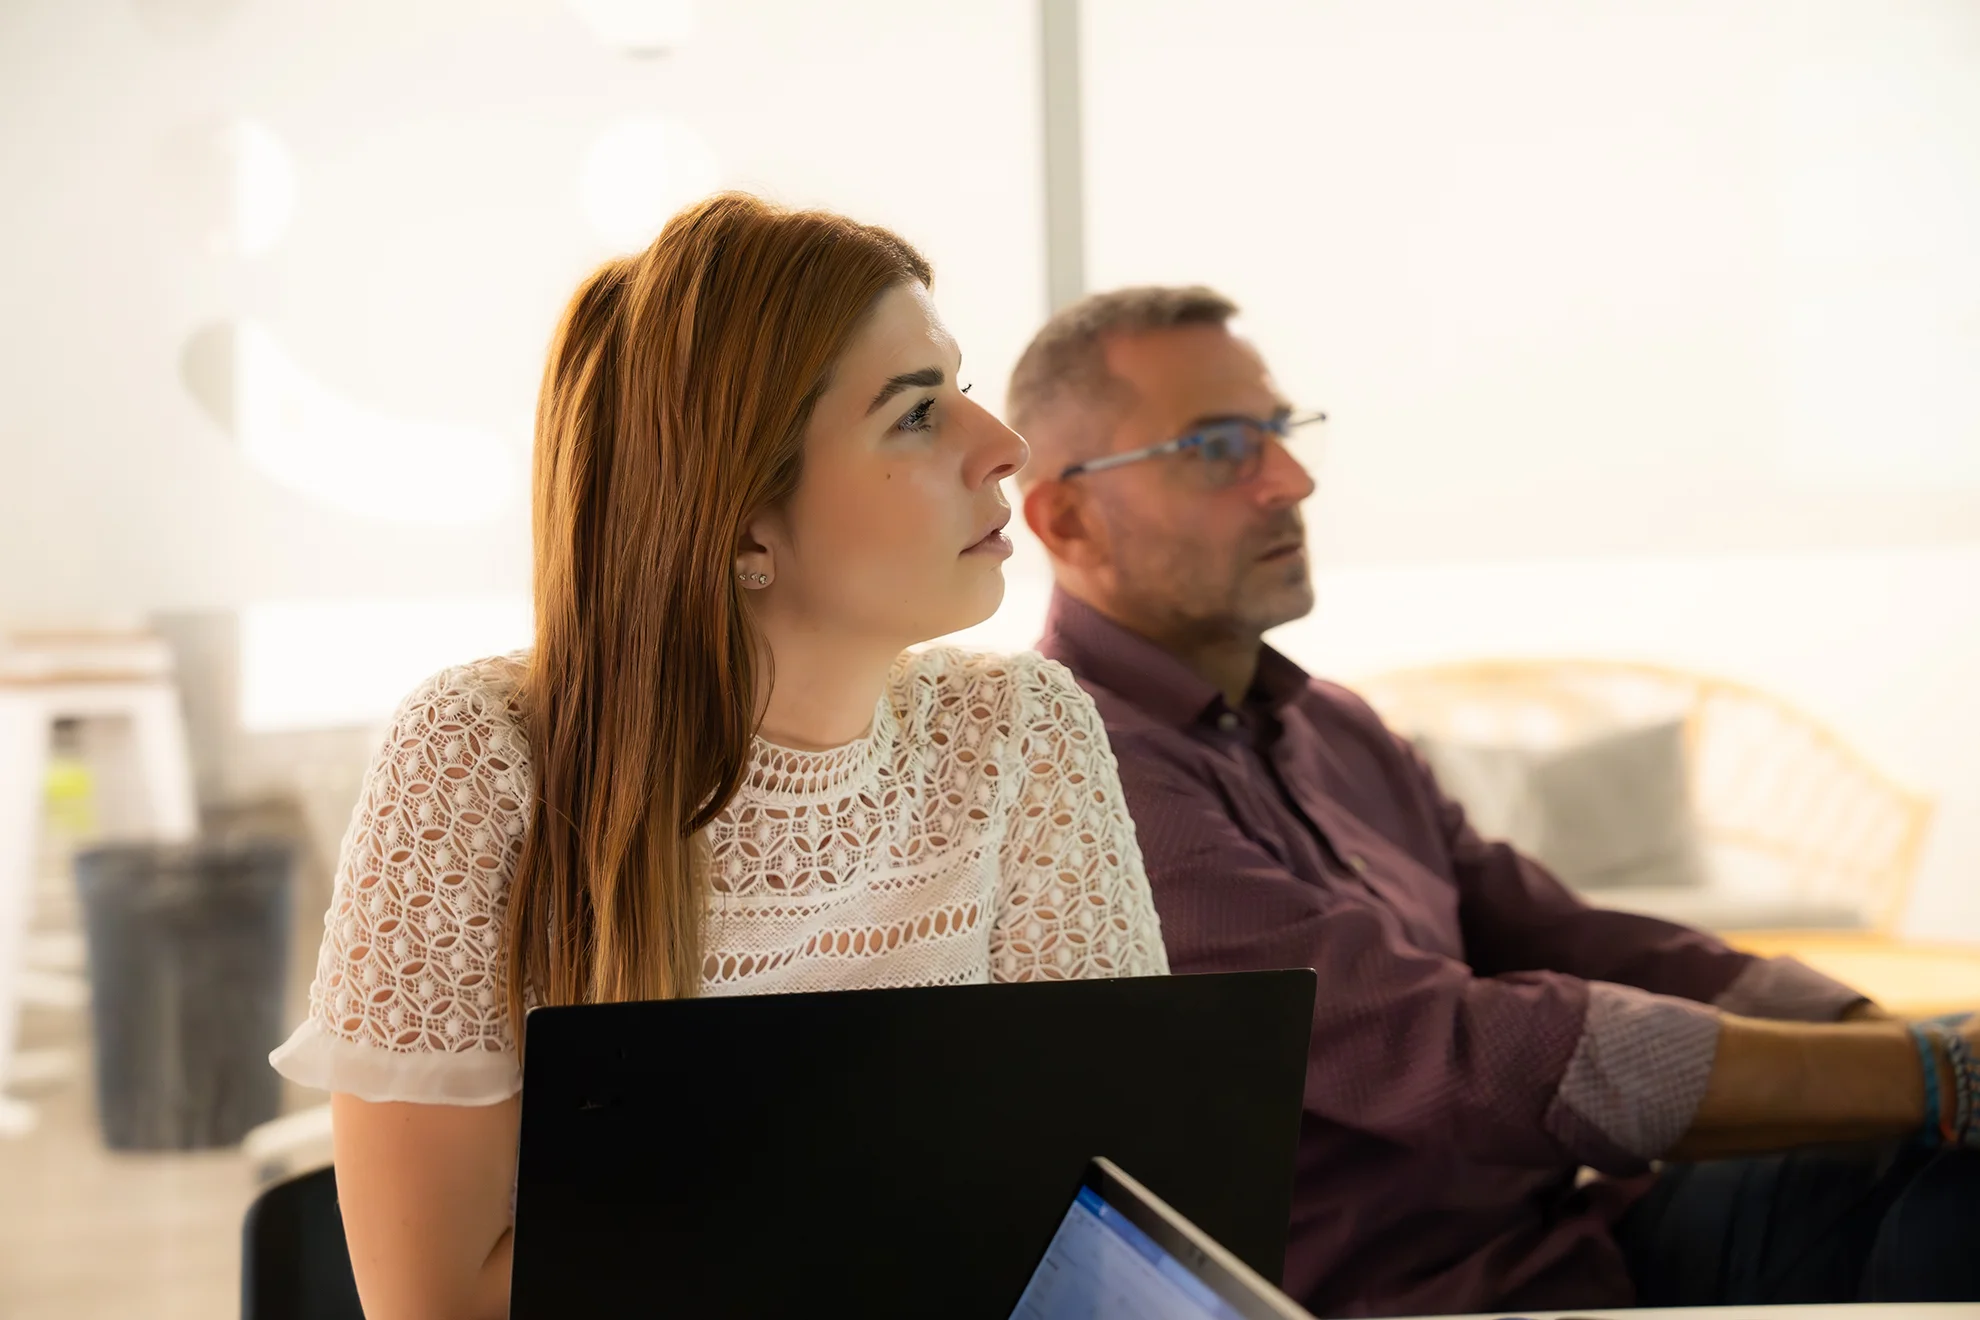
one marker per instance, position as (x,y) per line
(1637,1076)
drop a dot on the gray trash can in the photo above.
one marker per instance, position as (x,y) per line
(188,947)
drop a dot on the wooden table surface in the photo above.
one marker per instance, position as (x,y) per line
(1910,978)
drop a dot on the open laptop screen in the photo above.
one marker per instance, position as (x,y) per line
(1101,1266)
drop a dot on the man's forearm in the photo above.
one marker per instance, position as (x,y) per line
(1775,1085)
(1866,1010)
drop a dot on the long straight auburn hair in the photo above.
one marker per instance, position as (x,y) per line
(673,409)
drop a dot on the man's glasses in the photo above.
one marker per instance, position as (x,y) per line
(1228,451)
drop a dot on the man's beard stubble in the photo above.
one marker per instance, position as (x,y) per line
(1233,595)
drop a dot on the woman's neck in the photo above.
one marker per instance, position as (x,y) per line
(824,691)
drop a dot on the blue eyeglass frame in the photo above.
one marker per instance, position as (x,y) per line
(1250,428)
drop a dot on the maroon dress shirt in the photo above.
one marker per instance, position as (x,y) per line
(1480,1034)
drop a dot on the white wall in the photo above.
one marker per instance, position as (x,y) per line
(1575,276)
(437,232)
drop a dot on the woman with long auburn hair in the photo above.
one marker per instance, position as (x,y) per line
(719,771)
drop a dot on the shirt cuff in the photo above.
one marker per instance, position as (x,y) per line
(1636,1079)
(1787,990)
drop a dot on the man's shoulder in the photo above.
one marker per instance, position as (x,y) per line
(1367,751)
(1122,717)
(1339,704)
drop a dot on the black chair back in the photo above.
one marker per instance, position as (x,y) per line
(294,1265)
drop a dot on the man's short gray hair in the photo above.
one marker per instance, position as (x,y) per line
(1066,361)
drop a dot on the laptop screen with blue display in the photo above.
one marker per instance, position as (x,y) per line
(1100,1266)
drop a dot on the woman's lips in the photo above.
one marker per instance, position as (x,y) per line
(995,544)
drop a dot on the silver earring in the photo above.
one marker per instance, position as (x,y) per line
(754,579)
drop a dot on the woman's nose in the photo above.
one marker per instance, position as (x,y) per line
(996,451)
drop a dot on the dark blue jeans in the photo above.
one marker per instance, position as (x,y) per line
(1836,1224)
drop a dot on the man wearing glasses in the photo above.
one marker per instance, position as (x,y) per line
(1480,1034)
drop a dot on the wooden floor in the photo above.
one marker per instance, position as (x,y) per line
(90,1234)
(86,1234)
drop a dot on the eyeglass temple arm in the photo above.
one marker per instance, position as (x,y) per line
(1131,456)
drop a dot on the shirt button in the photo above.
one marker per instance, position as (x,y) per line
(1359,863)
(1227,721)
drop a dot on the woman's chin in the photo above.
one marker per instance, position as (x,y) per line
(971,604)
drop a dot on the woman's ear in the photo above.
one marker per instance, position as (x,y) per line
(756,562)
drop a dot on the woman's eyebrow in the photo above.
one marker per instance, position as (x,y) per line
(926,378)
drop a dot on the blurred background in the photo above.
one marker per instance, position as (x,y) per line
(1649,329)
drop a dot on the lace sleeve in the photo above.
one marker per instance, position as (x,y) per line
(408,1000)
(1074,900)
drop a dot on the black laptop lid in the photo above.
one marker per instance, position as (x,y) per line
(890,1152)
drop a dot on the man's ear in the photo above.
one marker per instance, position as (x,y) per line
(1062,517)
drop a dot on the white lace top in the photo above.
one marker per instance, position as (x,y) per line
(977,833)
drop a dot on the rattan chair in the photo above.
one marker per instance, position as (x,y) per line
(1799,829)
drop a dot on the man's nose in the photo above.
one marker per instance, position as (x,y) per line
(1282,480)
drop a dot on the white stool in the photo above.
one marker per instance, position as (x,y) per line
(165,810)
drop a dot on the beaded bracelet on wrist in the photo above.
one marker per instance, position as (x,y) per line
(1966,1091)
(1936,1130)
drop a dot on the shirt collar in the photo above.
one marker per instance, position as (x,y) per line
(1141,673)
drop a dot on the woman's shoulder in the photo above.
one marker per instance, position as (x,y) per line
(407,1003)
(946,686)
(492,683)
(459,740)
(480,700)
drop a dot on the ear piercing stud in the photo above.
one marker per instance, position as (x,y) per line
(754,579)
